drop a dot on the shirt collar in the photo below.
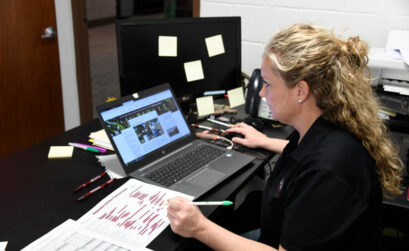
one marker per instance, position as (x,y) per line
(318,130)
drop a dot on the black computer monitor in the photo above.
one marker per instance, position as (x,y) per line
(140,65)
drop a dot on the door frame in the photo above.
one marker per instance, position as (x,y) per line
(82,56)
(196,8)
(82,64)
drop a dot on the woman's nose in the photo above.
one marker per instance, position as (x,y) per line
(262,91)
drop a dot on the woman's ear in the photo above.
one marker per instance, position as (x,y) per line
(303,90)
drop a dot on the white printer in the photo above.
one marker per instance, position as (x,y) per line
(391,80)
(390,68)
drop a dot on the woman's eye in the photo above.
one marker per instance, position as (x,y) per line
(267,84)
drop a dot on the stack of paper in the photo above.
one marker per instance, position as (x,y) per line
(398,40)
(127,219)
(3,245)
(100,138)
(112,164)
(71,235)
(133,215)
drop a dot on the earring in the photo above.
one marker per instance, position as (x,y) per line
(299,100)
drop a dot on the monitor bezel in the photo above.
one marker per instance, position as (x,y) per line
(187,97)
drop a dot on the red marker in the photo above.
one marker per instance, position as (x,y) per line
(89,182)
(95,189)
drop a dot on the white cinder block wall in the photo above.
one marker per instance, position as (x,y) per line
(370,19)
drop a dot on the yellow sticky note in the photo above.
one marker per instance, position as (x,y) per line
(214,45)
(194,70)
(60,152)
(236,97)
(205,105)
(100,135)
(168,46)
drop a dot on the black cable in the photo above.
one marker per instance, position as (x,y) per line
(249,150)
(235,146)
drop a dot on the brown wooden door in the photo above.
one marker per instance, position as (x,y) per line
(31,107)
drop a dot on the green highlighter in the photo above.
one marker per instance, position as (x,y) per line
(84,147)
(212,203)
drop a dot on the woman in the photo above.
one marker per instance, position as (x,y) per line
(325,192)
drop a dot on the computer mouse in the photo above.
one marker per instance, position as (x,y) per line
(232,135)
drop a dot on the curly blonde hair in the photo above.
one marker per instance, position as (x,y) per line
(337,74)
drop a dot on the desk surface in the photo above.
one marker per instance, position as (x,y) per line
(402,140)
(38,192)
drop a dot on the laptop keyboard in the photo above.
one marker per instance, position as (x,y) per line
(185,165)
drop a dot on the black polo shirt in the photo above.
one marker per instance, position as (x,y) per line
(324,194)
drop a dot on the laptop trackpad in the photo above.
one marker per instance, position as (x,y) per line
(207,178)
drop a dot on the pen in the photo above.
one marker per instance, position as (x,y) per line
(207,128)
(102,150)
(85,147)
(95,189)
(219,122)
(89,182)
(208,203)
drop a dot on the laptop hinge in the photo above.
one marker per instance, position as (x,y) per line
(164,157)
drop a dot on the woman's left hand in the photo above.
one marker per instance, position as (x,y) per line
(252,137)
(185,219)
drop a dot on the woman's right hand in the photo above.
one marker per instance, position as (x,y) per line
(185,219)
(252,137)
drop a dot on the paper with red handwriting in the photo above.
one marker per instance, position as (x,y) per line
(133,214)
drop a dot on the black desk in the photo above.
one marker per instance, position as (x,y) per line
(396,210)
(402,141)
(37,192)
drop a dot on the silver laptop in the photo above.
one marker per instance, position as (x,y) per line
(155,144)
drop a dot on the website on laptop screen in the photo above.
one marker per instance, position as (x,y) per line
(139,127)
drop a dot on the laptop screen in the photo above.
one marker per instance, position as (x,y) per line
(139,127)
